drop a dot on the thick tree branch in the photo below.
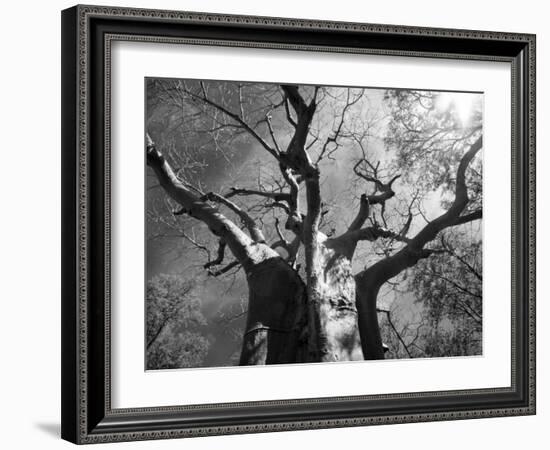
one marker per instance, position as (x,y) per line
(371,279)
(385,189)
(275,196)
(282,238)
(287,110)
(452,216)
(294,221)
(382,193)
(291,247)
(466,218)
(296,157)
(347,242)
(414,250)
(350,238)
(225,269)
(296,100)
(235,238)
(362,214)
(255,232)
(220,256)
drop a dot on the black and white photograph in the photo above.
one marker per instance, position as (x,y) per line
(308,223)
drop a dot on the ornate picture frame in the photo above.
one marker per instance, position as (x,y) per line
(88,33)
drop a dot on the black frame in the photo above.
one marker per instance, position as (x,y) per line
(87,416)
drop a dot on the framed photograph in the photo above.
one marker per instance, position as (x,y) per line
(281,224)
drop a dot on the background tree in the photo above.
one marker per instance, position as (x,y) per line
(445,317)
(435,138)
(315,254)
(449,287)
(173,323)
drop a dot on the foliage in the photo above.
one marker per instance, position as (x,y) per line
(449,285)
(457,341)
(429,132)
(185,349)
(174,319)
(447,289)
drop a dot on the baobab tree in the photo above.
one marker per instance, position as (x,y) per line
(314,256)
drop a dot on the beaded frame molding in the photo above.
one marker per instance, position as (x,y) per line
(87,34)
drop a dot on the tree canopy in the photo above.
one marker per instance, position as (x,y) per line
(174,318)
(347,195)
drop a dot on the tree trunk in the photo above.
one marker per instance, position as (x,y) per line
(278,327)
(369,328)
(276,323)
(334,333)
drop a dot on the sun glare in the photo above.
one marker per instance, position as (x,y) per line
(461,104)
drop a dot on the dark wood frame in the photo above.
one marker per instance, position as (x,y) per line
(87,32)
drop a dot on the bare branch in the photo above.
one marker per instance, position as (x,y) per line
(447,247)
(392,325)
(385,189)
(219,258)
(284,241)
(224,270)
(222,227)
(276,196)
(335,134)
(272,133)
(204,98)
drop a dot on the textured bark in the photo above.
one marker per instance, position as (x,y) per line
(276,321)
(331,304)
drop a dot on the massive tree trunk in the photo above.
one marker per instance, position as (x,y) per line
(331,301)
(276,326)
